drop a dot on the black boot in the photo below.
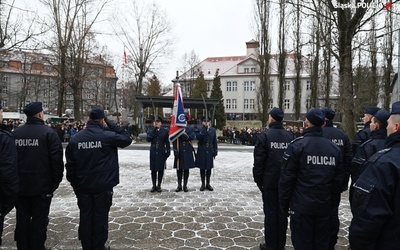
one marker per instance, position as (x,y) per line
(185,181)
(179,188)
(203,179)
(208,186)
(158,188)
(153,189)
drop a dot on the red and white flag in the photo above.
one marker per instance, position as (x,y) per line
(178,119)
(125,58)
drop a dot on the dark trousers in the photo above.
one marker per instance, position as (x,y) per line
(182,173)
(157,175)
(93,218)
(205,175)
(335,224)
(275,222)
(32,221)
(310,232)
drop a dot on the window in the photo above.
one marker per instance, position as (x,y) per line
(252,86)
(28,92)
(246,86)
(4,78)
(228,104)
(4,103)
(253,70)
(4,89)
(3,64)
(286,104)
(107,95)
(51,93)
(308,104)
(234,104)
(88,95)
(45,104)
(45,93)
(228,86)
(308,85)
(48,67)
(246,70)
(251,105)
(246,103)
(287,85)
(270,104)
(234,86)
(208,87)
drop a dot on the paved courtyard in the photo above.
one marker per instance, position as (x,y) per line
(230,217)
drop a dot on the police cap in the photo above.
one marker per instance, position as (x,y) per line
(316,117)
(157,119)
(329,113)
(396,108)
(382,116)
(97,113)
(206,119)
(277,114)
(33,108)
(371,110)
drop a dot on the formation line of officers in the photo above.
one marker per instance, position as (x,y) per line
(186,156)
(303,178)
(31,169)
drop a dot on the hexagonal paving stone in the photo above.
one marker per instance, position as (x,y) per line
(161,234)
(123,220)
(216,226)
(164,219)
(144,219)
(173,226)
(184,219)
(172,242)
(245,241)
(197,242)
(222,242)
(184,234)
(236,225)
(207,234)
(152,226)
(229,233)
(203,219)
(195,226)
(223,219)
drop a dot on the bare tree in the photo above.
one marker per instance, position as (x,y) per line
(282,52)
(388,45)
(190,61)
(145,32)
(262,21)
(14,31)
(72,25)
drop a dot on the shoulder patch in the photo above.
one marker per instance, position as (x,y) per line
(378,154)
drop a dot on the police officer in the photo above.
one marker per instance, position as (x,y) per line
(207,150)
(375,201)
(371,146)
(40,170)
(340,138)
(364,134)
(8,173)
(93,170)
(268,151)
(159,152)
(311,175)
(184,159)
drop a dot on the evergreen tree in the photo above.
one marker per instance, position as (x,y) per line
(154,89)
(200,87)
(200,91)
(216,93)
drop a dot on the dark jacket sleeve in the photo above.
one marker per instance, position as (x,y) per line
(287,179)
(56,158)
(260,155)
(372,205)
(70,165)
(8,174)
(348,156)
(120,139)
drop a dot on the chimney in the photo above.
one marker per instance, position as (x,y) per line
(252,47)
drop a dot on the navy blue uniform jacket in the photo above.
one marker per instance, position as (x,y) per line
(311,174)
(40,158)
(268,152)
(376,201)
(8,172)
(92,158)
(184,151)
(340,138)
(207,147)
(160,148)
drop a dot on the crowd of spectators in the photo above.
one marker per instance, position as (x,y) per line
(248,136)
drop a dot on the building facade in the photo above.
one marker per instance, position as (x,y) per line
(27,76)
(240,83)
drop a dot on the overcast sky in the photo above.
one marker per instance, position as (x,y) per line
(209,27)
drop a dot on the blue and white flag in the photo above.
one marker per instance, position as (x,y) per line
(178,118)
